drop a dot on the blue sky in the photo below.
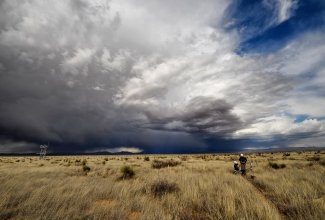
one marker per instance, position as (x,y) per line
(262,31)
(161,76)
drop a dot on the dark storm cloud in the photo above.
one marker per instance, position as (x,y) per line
(43,102)
(201,115)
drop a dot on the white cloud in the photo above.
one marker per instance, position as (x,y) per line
(302,61)
(125,149)
(97,88)
(259,148)
(309,104)
(286,8)
(117,150)
(281,125)
(304,54)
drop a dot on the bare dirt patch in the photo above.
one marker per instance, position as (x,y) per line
(135,215)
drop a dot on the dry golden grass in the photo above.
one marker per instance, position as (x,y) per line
(200,187)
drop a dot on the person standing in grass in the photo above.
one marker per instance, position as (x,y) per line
(243,161)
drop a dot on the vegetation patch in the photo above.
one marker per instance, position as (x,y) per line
(184,158)
(195,189)
(86,168)
(67,165)
(127,172)
(162,187)
(314,158)
(277,166)
(146,159)
(157,164)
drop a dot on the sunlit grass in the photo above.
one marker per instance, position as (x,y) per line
(198,187)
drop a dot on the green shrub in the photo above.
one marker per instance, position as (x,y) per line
(157,164)
(104,162)
(84,162)
(127,172)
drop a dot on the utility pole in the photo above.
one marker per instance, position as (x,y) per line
(42,153)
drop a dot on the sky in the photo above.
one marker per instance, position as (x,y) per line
(156,76)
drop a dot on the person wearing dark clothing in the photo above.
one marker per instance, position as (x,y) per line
(242,161)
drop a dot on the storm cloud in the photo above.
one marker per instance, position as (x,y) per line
(153,76)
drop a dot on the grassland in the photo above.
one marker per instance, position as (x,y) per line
(188,187)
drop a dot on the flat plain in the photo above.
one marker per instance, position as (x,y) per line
(283,185)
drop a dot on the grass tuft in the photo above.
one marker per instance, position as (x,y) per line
(158,164)
(277,166)
(162,187)
(146,159)
(86,168)
(84,162)
(314,158)
(127,172)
